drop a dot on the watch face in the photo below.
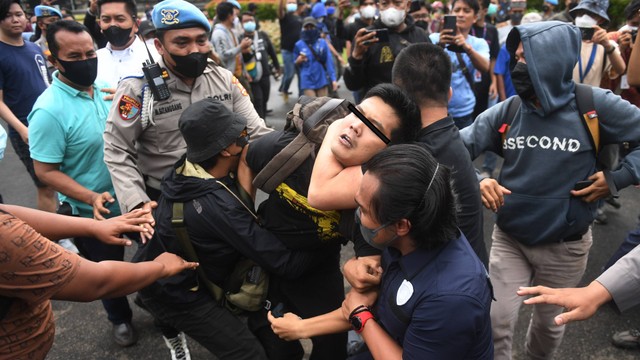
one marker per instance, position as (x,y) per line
(355,323)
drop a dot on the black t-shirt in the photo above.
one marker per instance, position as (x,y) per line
(290,27)
(286,212)
(490,34)
(442,139)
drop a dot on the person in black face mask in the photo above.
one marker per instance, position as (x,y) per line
(65,139)
(124,54)
(421,14)
(548,9)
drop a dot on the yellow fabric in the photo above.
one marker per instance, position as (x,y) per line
(193,170)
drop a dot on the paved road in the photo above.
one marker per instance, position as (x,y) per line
(83,332)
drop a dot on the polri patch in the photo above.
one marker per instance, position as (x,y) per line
(129,107)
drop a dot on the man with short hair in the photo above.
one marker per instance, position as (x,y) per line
(23,77)
(67,148)
(124,53)
(430,87)
(549,184)
(225,41)
(371,60)
(221,229)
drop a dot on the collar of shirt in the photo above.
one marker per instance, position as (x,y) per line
(66,88)
(412,263)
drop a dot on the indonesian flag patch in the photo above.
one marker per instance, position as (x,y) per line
(129,107)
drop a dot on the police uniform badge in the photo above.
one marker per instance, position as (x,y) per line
(170,16)
(236,82)
(128,107)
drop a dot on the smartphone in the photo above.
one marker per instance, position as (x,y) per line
(381,34)
(634,33)
(278,311)
(582,184)
(450,23)
(587,33)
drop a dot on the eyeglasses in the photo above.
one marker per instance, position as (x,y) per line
(369,124)
(243,139)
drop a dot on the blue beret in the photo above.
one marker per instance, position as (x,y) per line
(178,14)
(235,3)
(42,11)
(552,2)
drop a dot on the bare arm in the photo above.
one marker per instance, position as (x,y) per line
(617,62)
(51,175)
(54,226)
(245,174)
(281,9)
(479,62)
(332,186)
(108,279)
(291,327)
(12,120)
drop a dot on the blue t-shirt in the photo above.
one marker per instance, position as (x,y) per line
(463,100)
(66,127)
(312,73)
(502,68)
(23,77)
(436,303)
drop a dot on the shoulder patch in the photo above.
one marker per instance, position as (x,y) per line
(128,107)
(236,82)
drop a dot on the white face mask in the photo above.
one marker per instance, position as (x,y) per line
(368,12)
(392,17)
(586,21)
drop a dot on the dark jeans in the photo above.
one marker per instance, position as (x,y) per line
(214,327)
(630,242)
(260,90)
(118,310)
(317,292)
(22,150)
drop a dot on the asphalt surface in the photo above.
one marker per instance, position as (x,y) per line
(83,332)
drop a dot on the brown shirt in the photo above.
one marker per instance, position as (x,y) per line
(32,270)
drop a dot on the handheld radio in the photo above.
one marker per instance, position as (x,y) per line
(153,74)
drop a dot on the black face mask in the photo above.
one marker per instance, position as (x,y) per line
(522,82)
(545,8)
(117,36)
(83,72)
(422,24)
(572,5)
(191,65)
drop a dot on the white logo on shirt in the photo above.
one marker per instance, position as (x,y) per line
(544,142)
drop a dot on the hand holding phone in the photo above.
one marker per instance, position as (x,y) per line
(278,311)
(582,184)
(450,23)
(381,34)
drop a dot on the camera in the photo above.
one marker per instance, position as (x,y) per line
(633,36)
(587,33)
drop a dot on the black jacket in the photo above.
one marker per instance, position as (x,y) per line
(375,67)
(221,231)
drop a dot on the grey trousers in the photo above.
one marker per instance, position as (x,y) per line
(511,265)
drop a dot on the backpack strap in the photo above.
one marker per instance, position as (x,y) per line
(589,115)
(285,162)
(177,222)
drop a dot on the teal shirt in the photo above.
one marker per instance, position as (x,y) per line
(66,127)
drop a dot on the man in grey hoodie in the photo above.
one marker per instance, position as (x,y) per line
(542,234)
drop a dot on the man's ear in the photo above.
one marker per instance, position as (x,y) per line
(54,62)
(158,45)
(403,227)
(450,94)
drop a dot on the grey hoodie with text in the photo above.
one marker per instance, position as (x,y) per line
(547,149)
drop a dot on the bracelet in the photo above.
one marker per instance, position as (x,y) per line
(359,309)
(609,52)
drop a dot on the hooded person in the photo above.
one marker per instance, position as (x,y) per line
(543,229)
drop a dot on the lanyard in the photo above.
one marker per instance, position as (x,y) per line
(589,64)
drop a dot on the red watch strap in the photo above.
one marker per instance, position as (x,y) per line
(364,316)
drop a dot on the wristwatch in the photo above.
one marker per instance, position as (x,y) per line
(359,318)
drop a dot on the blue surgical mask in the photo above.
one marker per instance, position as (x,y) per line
(492,9)
(292,7)
(249,26)
(369,234)
(310,36)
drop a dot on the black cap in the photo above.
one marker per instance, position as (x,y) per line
(145,28)
(208,127)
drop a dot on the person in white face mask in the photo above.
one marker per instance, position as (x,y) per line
(599,56)
(373,52)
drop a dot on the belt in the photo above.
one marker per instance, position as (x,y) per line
(575,237)
(152,182)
